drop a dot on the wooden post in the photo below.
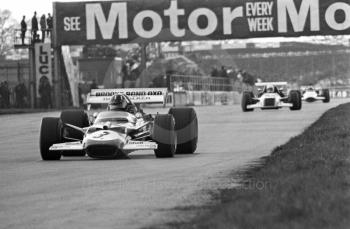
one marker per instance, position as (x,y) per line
(57,52)
(32,78)
(143,65)
(57,78)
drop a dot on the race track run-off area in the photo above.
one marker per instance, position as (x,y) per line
(141,191)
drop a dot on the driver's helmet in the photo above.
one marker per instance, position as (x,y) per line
(117,102)
(270,89)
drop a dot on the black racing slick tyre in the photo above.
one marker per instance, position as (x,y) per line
(326,95)
(186,127)
(76,118)
(295,99)
(164,135)
(49,135)
(247,99)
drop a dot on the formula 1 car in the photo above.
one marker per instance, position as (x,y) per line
(112,133)
(269,96)
(311,94)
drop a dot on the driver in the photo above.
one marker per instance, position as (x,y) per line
(270,89)
(120,103)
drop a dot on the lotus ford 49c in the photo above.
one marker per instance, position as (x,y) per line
(311,94)
(271,96)
(120,130)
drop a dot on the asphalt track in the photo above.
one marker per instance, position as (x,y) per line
(142,191)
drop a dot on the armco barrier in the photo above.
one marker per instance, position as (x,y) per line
(340,92)
(212,98)
(205,98)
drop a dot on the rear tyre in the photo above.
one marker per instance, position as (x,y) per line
(76,118)
(295,99)
(49,135)
(186,127)
(164,135)
(326,95)
(247,99)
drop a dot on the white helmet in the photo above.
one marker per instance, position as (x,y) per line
(270,88)
(117,102)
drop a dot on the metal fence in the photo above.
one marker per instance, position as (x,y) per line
(201,83)
(42,35)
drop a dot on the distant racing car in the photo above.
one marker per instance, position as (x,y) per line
(270,95)
(121,129)
(311,94)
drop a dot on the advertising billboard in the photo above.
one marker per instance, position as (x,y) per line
(143,21)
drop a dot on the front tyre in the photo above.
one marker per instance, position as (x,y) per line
(295,99)
(326,95)
(186,127)
(164,135)
(49,135)
(247,99)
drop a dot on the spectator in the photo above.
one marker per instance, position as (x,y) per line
(1,95)
(34,26)
(223,72)
(49,23)
(43,27)
(45,93)
(130,80)
(125,71)
(84,90)
(23,29)
(214,72)
(21,94)
(93,85)
(5,94)
(232,74)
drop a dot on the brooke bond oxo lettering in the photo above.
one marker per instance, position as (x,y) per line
(128,93)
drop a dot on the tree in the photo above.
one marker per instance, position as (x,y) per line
(248,78)
(7,30)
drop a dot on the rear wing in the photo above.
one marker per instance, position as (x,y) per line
(136,95)
(303,88)
(271,83)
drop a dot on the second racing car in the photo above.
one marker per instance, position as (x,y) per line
(271,95)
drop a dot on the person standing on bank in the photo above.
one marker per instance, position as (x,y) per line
(49,23)
(43,27)
(23,29)
(34,26)
(21,93)
(5,94)
(45,92)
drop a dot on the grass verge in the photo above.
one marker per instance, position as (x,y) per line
(302,184)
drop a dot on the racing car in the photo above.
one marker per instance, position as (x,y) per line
(121,129)
(270,95)
(311,94)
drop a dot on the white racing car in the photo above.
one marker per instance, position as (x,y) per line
(122,129)
(311,94)
(270,95)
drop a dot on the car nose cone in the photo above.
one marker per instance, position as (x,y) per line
(104,143)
